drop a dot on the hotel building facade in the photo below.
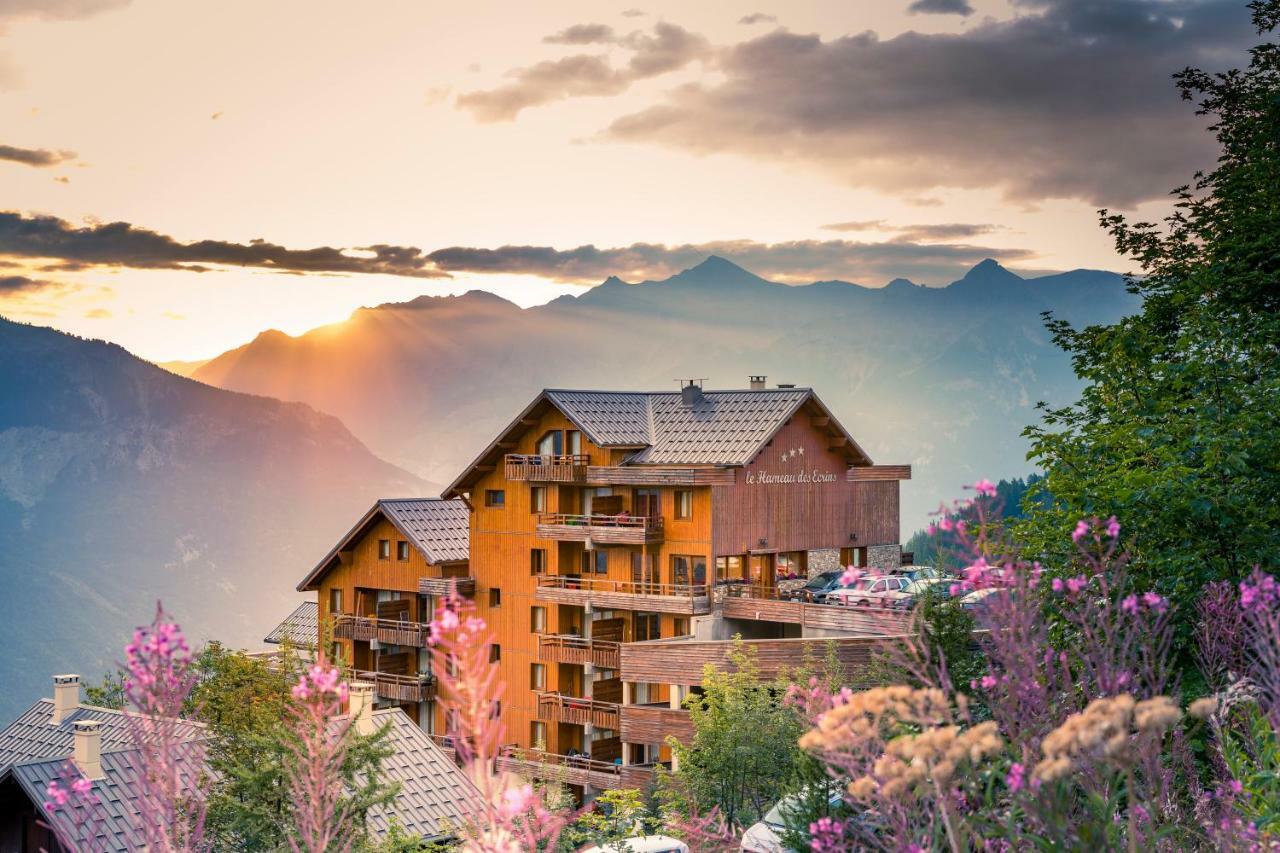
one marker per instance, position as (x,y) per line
(615,543)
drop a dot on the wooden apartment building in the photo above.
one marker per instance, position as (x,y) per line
(615,542)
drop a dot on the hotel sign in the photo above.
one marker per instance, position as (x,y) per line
(791,478)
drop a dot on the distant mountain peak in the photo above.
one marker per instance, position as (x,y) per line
(715,263)
(901,284)
(716,270)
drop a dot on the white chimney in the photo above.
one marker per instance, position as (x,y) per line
(690,392)
(66,697)
(88,754)
(360,707)
(757,382)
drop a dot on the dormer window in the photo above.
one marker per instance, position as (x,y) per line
(551,444)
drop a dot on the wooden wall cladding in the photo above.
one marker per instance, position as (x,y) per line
(652,724)
(869,473)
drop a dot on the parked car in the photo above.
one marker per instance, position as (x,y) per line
(978,598)
(917,589)
(920,573)
(645,844)
(883,591)
(817,588)
(766,835)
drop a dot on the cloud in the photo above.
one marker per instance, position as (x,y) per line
(1068,99)
(941,7)
(757,18)
(583,34)
(120,244)
(668,48)
(634,13)
(798,261)
(14,284)
(98,314)
(56,10)
(37,157)
(919,232)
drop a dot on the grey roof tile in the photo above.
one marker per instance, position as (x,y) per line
(301,627)
(440,528)
(31,736)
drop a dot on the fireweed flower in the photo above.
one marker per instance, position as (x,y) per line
(851,575)
(1081,531)
(826,836)
(1263,594)
(1113,528)
(985,488)
(1130,604)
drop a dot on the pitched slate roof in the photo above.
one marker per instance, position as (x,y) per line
(435,797)
(118,792)
(301,627)
(723,428)
(31,737)
(440,528)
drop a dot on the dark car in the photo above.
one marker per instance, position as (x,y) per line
(817,588)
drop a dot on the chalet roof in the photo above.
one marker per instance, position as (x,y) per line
(31,737)
(301,627)
(438,527)
(435,796)
(118,792)
(723,428)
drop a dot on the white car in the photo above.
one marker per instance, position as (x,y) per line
(646,844)
(766,835)
(884,591)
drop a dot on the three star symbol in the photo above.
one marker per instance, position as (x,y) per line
(792,453)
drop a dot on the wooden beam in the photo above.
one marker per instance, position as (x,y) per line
(821,420)
(838,441)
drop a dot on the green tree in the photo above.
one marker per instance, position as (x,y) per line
(615,816)
(744,751)
(1177,431)
(108,693)
(245,702)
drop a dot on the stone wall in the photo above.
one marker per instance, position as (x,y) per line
(886,557)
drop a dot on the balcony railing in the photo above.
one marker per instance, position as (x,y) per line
(466,587)
(546,468)
(393,632)
(560,708)
(399,688)
(563,648)
(604,529)
(763,603)
(685,599)
(653,723)
(574,770)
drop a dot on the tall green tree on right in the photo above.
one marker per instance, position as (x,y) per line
(1177,431)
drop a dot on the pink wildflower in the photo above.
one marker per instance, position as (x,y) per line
(989,681)
(1017,778)
(1057,584)
(1074,585)
(516,801)
(1081,531)
(851,575)
(985,488)
(1113,527)
(1155,601)
(1130,604)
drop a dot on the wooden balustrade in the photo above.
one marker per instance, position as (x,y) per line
(466,586)
(535,467)
(764,604)
(558,707)
(653,724)
(563,648)
(659,475)
(393,632)
(686,599)
(399,688)
(603,529)
(574,770)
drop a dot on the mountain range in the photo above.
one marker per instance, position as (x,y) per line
(944,378)
(122,484)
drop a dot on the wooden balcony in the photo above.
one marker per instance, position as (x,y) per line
(653,723)
(762,604)
(576,770)
(393,632)
(685,599)
(538,468)
(559,708)
(562,648)
(443,586)
(683,661)
(399,688)
(659,475)
(601,529)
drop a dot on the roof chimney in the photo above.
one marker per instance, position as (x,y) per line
(88,754)
(757,382)
(690,392)
(360,707)
(66,697)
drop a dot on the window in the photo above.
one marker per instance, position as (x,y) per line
(595,561)
(647,626)
(495,497)
(684,503)
(573,442)
(537,676)
(384,549)
(538,561)
(538,499)
(538,620)
(681,626)
(402,552)
(551,444)
(495,597)
(686,569)
(679,569)
(645,503)
(538,735)
(495,653)
(335,600)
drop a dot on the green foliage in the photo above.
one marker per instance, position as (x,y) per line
(744,751)
(246,704)
(932,550)
(615,816)
(813,790)
(1251,750)
(108,693)
(1177,431)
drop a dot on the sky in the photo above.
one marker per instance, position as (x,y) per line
(178,177)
